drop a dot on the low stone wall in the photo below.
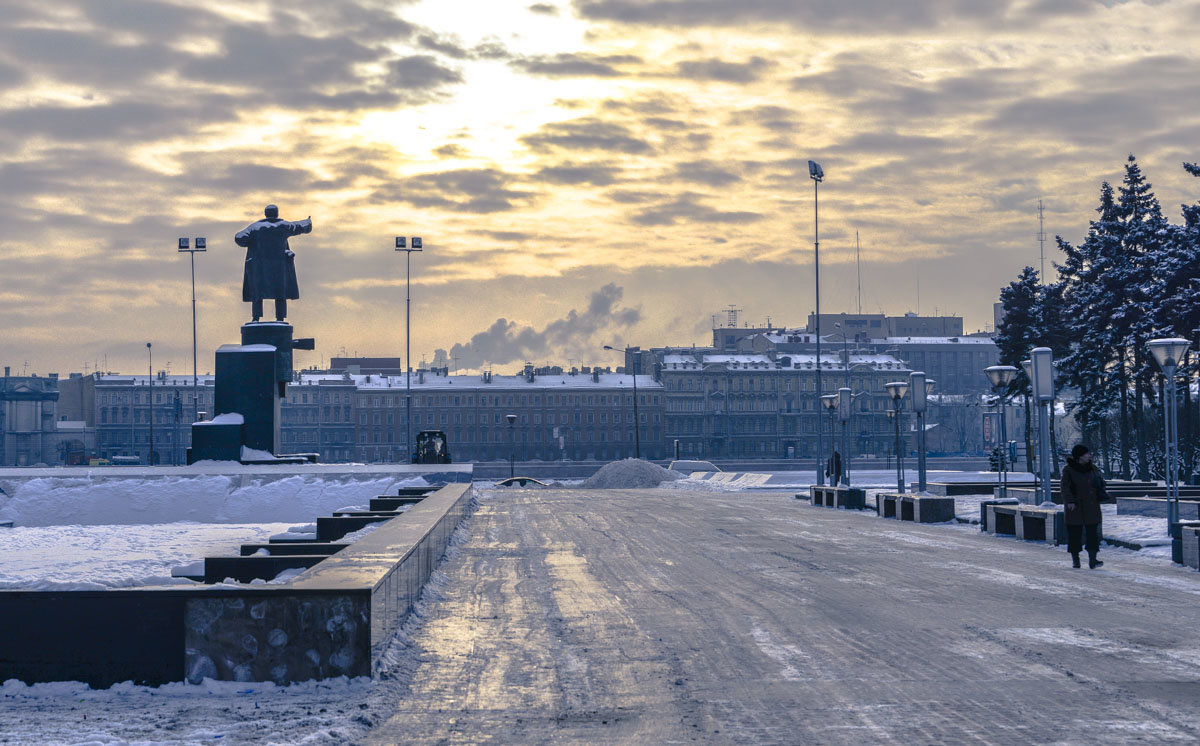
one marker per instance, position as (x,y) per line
(331,620)
(1156,507)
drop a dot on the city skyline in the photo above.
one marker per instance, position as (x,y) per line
(586,173)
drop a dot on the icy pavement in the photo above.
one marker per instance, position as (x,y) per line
(659,616)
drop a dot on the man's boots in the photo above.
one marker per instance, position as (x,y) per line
(1075,560)
(1093,563)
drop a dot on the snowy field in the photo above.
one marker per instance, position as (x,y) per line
(99,557)
(82,534)
(55,501)
(332,711)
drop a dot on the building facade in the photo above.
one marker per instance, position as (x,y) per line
(133,411)
(561,416)
(767,406)
(28,413)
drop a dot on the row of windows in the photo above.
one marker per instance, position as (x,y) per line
(511,400)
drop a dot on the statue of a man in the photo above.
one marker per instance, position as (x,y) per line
(270,264)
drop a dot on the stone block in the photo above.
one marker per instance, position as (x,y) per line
(245,384)
(215,441)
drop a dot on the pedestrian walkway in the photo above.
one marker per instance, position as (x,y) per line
(660,616)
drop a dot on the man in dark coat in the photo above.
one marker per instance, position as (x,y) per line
(1082,490)
(270,264)
(833,469)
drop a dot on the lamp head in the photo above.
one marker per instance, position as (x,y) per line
(929,386)
(1168,352)
(897,389)
(815,172)
(830,401)
(512,418)
(1000,375)
(1027,366)
(1042,369)
(916,382)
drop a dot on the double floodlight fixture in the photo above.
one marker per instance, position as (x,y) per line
(815,172)
(1042,366)
(1168,353)
(402,241)
(1000,375)
(201,244)
(916,381)
(896,389)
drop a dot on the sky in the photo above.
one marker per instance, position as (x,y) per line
(582,172)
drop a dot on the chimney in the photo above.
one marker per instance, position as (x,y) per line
(595,375)
(6,371)
(420,375)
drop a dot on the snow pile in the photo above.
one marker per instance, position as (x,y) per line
(52,501)
(630,473)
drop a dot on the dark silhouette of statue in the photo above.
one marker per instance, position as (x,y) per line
(270,264)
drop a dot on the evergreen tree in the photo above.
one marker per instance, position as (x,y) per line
(1018,333)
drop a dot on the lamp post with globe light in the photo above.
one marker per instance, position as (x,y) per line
(1169,354)
(897,390)
(830,402)
(1000,376)
(921,388)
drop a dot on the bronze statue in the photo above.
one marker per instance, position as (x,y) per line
(270,264)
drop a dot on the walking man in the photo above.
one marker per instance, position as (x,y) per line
(1082,490)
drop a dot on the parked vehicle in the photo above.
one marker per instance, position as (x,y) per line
(687,467)
(431,448)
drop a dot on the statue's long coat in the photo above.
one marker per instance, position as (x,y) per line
(270,267)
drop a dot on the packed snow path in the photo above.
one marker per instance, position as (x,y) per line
(659,616)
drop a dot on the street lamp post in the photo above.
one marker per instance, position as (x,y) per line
(402,245)
(201,246)
(150,398)
(512,444)
(831,404)
(1027,366)
(1169,354)
(917,384)
(844,401)
(897,389)
(1000,377)
(1041,365)
(817,174)
(637,422)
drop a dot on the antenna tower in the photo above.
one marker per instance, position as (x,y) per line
(731,315)
(858,261)
(1041,235)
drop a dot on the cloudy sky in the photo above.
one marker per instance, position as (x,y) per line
(583,172)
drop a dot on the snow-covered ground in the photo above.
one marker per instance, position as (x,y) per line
(98,557)
(332,711)
(54,501)
(77,533)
